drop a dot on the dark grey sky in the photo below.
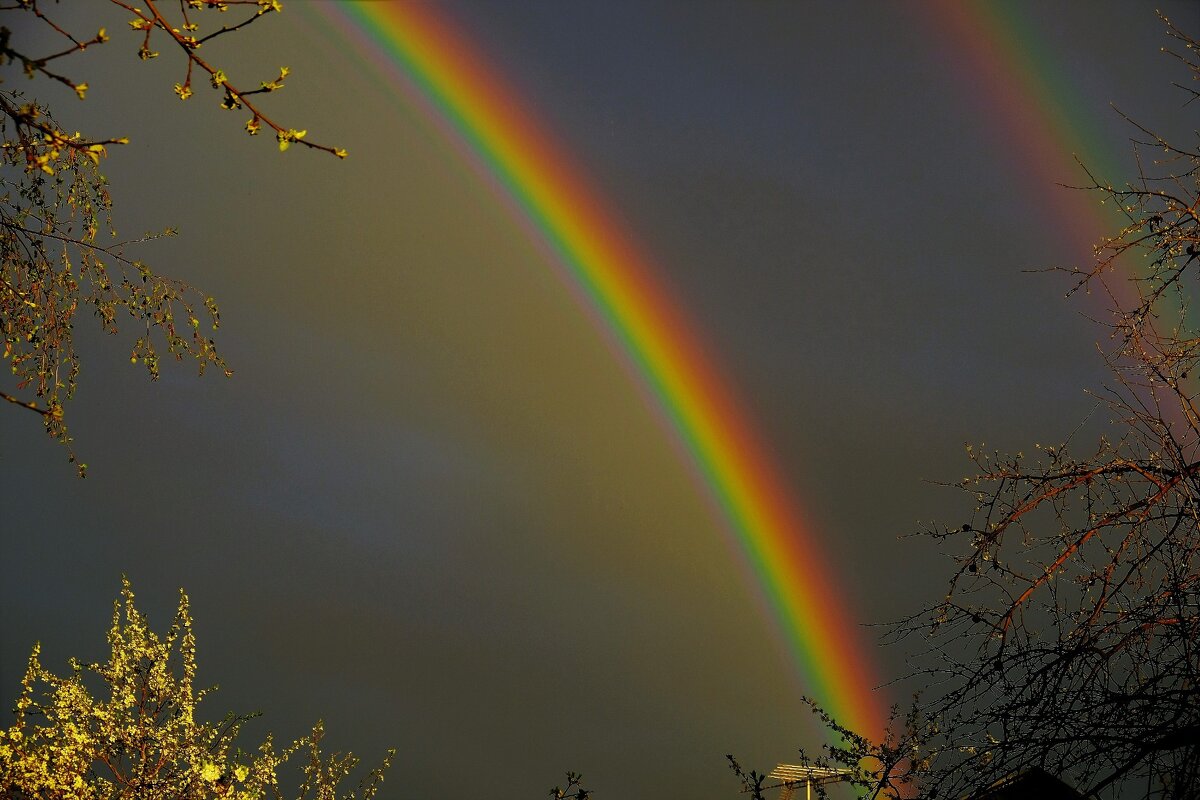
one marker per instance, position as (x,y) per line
(430,507)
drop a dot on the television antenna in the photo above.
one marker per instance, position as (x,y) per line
(791,776)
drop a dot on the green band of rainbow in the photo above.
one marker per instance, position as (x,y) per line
(1011,75)
(422,53)
(1015,78)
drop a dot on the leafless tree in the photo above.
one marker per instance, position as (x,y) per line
(1069,636)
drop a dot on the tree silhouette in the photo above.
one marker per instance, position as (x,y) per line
(1068,639)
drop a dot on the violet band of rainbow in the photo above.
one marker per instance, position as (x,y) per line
(423,54)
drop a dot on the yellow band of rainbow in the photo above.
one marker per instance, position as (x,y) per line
(423,54)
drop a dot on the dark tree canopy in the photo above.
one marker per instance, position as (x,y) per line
(1068,639)
(1078,592)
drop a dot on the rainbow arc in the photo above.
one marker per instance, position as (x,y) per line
(436,67)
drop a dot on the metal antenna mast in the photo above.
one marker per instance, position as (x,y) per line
(790,776)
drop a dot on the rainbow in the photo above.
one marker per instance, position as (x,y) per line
(1009,73)
(436,67)
(1013,78)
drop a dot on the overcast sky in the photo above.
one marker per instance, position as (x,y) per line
(430,507)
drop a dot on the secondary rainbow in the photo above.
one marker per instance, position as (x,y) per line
(1016,81)
(436,66)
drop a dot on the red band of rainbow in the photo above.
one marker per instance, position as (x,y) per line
(434,65)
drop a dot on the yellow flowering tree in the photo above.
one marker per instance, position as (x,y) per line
(58,251)
(129,729)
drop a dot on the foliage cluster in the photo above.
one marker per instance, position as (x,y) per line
(58,249)
(129,728)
